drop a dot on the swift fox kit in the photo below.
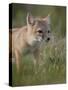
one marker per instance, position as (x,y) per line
(30,36)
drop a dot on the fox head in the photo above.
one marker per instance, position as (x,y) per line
(38,29)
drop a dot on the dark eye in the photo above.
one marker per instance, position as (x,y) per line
(40,31)
(48,31)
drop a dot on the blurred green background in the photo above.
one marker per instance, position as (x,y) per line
(53,69)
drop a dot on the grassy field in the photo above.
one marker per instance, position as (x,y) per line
(52,66)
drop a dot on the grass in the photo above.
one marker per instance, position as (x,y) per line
(52,66)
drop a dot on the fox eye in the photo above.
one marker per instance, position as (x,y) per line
(40,31)
(48,31)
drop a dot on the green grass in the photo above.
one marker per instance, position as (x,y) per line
(52,69)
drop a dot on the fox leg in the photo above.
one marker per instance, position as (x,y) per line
(36,60)
(18,60)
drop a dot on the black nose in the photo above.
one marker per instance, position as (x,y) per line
(48,39)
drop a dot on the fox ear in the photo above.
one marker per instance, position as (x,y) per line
(47,19)
(30,19)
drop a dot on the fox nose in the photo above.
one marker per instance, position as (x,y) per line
(48,39)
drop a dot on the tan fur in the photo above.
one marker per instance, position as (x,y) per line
(29,37)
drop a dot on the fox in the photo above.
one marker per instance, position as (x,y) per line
(30,37)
